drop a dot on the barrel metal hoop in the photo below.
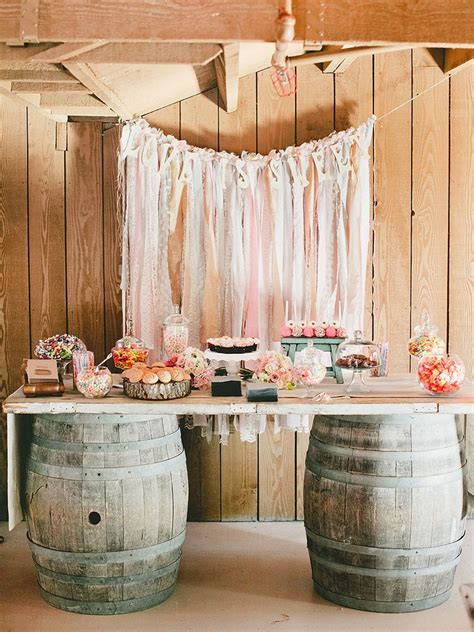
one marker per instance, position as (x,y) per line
(371,480)
(108,473)
(374,550)
(109,581)
(385,573)
(77,446)
(107,607)
(382,606)
(102,418)
(108,557)
(385,419)
(384,455)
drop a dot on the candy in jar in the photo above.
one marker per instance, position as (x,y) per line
(175,333)
(441,374)
(425,341)
(129,350)
(309,367)
(94,382)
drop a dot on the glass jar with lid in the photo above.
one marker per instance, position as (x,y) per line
(175,333)
(426,340)
(309,367)
(441,375)
(128,350)
(358,355)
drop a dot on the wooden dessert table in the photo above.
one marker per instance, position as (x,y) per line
(384,499)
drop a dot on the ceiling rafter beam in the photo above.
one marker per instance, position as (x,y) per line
(86,76)
(62,52)
(337,53)
(435,23)
(198,54)
(227,76)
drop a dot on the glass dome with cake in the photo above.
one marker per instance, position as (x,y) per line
(228,344)
(358,355)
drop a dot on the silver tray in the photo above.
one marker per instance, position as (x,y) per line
(172,390)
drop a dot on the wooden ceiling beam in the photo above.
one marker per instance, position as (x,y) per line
(151,53)
(49,74)
(62,52)
(45,86)
(227,75)
(21,53)
(434,23)
(336,53)
(89,78)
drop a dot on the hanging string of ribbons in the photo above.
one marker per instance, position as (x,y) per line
(233,238)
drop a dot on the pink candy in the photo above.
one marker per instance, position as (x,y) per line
(331,332)
(308,331)
(286,331)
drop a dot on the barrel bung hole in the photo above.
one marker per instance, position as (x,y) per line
(94,517)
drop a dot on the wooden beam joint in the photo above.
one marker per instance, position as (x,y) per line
(227,75)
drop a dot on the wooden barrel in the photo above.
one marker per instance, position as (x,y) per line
(106,502)
(385,509)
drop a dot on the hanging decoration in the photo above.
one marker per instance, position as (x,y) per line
(284,77)
(232,238)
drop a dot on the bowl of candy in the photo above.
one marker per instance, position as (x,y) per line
(441,375)
(426,340)
(309,367)
(94,382)
(129,350)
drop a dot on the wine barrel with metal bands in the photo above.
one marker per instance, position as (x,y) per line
(106,502)
(385,509)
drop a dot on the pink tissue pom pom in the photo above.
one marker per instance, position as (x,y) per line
(341,333)
(308,332)
(331,332)
(297,331)
(319,332)
(285,331)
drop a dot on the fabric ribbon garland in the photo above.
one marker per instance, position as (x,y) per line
(232,238)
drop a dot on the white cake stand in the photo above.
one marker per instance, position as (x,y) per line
(232,360)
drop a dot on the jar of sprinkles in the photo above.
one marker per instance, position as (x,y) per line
(93,382)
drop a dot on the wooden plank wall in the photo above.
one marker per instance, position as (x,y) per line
(59,246)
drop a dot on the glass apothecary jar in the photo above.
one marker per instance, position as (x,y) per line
(426,340)
(358,355)
(94,382)
(175,333)
(442,374)
(129,350)
(309,368)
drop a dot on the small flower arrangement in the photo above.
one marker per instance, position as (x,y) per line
(59,348)
(195,363)
(277,369)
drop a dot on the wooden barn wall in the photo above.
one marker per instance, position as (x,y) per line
(59,255)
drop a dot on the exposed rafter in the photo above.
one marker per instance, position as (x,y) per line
(62,52)
(227,75)
(150,53)
(86,75)
(456,58)
(435,23)
(330,54)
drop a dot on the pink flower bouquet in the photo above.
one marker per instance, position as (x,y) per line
(195,363)
(277,369)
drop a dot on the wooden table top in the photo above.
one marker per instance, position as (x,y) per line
(389,395)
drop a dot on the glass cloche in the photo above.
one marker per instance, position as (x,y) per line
(358,355)
(175,333)
(129,350)
(426,340)
(309,367)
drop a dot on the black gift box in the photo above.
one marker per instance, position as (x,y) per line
(258,392)
(224,386)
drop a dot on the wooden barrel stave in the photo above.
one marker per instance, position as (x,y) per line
(366,509)
(106,501)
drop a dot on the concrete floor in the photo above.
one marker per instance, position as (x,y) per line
(242,577)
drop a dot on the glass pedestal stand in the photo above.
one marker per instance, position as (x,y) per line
(358,383)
